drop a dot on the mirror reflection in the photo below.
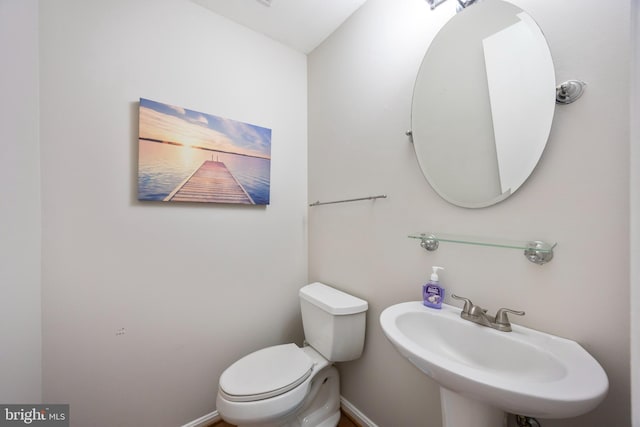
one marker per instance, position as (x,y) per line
(483,104)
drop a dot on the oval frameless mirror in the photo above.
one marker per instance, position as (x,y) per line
(483,104)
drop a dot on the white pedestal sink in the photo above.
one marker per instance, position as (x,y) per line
(484,373)
(458,410)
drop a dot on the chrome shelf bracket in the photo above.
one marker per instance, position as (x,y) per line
(429,243)
(539,252)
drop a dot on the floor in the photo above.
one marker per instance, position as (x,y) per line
(345,421)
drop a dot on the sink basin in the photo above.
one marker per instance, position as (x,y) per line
(524,372)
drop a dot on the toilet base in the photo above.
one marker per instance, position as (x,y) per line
(321,407)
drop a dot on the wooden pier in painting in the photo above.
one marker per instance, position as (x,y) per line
(212,182)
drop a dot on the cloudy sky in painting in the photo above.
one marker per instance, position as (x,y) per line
(175,124)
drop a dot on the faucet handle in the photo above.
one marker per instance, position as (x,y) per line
(468,305)
(503,319)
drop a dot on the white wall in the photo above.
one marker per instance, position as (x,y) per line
(635,214)
(360,89)
(194,286)
(20,219)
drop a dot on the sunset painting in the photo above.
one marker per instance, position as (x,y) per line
(188,156)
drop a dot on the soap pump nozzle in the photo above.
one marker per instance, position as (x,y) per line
(434,275)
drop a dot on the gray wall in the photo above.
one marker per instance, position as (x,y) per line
(20,218)
(635,213)
(360,88)
(194,286)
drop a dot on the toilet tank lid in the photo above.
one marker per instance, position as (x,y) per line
(332,300)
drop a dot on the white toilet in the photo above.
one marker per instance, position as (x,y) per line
(289,386)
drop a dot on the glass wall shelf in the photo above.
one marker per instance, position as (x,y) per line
(535,251)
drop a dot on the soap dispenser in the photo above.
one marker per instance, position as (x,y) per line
(432,292)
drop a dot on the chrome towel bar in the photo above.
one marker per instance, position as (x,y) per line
(318,203)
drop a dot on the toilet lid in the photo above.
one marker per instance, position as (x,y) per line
(266,373)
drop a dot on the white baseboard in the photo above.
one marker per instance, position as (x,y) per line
(205,420)
(355,413)
(346,406)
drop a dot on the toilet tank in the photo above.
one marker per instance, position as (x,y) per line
(333,321)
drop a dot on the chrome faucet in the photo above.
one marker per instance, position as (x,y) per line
(476,314)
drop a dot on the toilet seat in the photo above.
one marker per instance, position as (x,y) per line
(266,373)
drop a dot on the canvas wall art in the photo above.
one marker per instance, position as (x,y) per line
(189,156)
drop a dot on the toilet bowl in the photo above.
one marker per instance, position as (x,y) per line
(290,386)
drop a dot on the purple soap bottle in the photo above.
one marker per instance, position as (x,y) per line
(432,292)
